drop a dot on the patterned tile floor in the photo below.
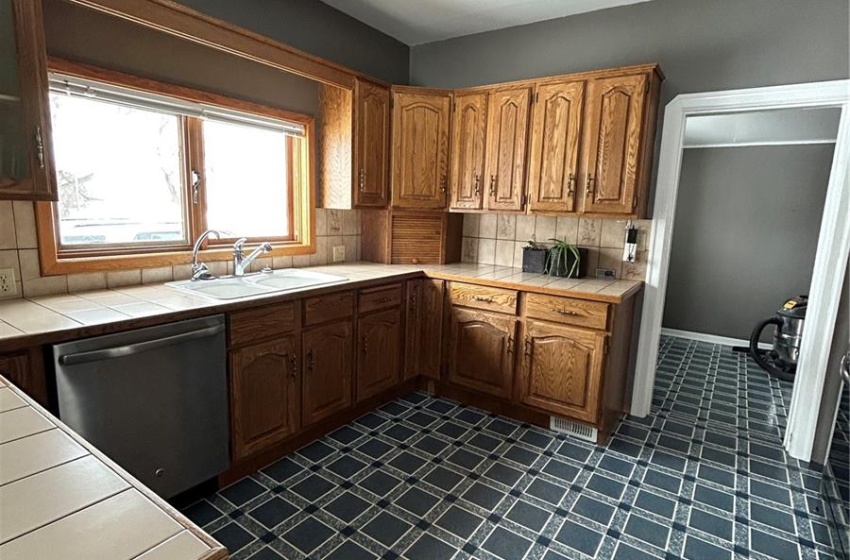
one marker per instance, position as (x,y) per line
(703,478)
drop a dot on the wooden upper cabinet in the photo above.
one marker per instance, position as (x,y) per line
(562,370)
(555,139)
(613,143)
(372,146)
(420,148)
(328,370)
(481,350)
(265,396)
(507,138)
(26,159)
(379,352)
(469,139)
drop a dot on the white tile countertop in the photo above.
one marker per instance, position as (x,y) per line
(61,498)
(73,313)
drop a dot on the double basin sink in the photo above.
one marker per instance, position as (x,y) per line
(232,287)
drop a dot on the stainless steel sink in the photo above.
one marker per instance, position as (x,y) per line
(293,278)
(231,287)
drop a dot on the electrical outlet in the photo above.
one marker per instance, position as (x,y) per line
(7,282)
(339,253)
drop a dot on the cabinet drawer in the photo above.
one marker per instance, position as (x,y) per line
(579,312)
(483,297)
(382,297)
(262,323)
(328,307)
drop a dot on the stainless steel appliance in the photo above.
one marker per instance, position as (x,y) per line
(154,400)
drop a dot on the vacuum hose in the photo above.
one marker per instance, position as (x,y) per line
(758,354)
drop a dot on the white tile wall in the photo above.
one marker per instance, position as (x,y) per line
(499,239)
(19,251)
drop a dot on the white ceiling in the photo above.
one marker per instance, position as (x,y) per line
(763,128)
(414,22)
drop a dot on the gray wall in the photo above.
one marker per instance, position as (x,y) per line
(88,36)
(747,223)
(318,29)
(702,45)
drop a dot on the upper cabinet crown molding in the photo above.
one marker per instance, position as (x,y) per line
(26,160)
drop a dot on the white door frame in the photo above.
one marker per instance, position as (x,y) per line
(833,244)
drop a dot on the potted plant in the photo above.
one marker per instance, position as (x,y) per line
(565,260)
(534,257)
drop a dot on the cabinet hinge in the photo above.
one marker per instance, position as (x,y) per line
(536,96)
(454,106)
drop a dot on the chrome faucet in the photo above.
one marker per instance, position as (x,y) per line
(200,271)
(240,261)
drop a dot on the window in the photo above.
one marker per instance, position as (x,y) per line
(142,168)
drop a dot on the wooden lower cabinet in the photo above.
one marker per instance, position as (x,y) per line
(328,370)
(26,370)
(481,350)
(562,369)
(412,327)
(378,352)
(265,396)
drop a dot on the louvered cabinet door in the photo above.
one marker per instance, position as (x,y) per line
(469,137)
(372,145)
(417,239)
(613,123)
(562,369)
(420,144)
(555,140)
(507,140)
(481,354)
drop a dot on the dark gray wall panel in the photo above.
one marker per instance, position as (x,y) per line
(745,236)
(318,29)
(702,45)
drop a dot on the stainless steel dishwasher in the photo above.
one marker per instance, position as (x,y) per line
(154,400)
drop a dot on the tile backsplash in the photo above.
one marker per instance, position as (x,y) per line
(499,239)
(19,251)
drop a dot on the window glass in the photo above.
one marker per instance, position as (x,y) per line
(246,181)
(118,173)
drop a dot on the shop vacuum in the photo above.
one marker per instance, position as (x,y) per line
(781,360)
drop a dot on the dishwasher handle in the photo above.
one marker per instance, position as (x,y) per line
(130,349)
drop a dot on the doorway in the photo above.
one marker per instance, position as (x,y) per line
(833,238)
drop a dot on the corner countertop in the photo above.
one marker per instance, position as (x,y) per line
(50,319)
(61,498)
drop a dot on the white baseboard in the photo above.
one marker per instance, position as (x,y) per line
(712,338)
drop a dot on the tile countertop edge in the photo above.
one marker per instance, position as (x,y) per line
(216,551)
(378,273)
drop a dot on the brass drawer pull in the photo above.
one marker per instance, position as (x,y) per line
(566,312)
(483,299)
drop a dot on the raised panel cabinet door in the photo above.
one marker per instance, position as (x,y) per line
(482,351)
(328,370)
(562,370)
(264,395)
(378,352)
(507,139)
(431,321)
(469,138)
(420,144)
(612,142)
(412,327)
(555,140)
(26,157)
(372,145)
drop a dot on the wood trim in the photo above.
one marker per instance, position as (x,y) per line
(172,18)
